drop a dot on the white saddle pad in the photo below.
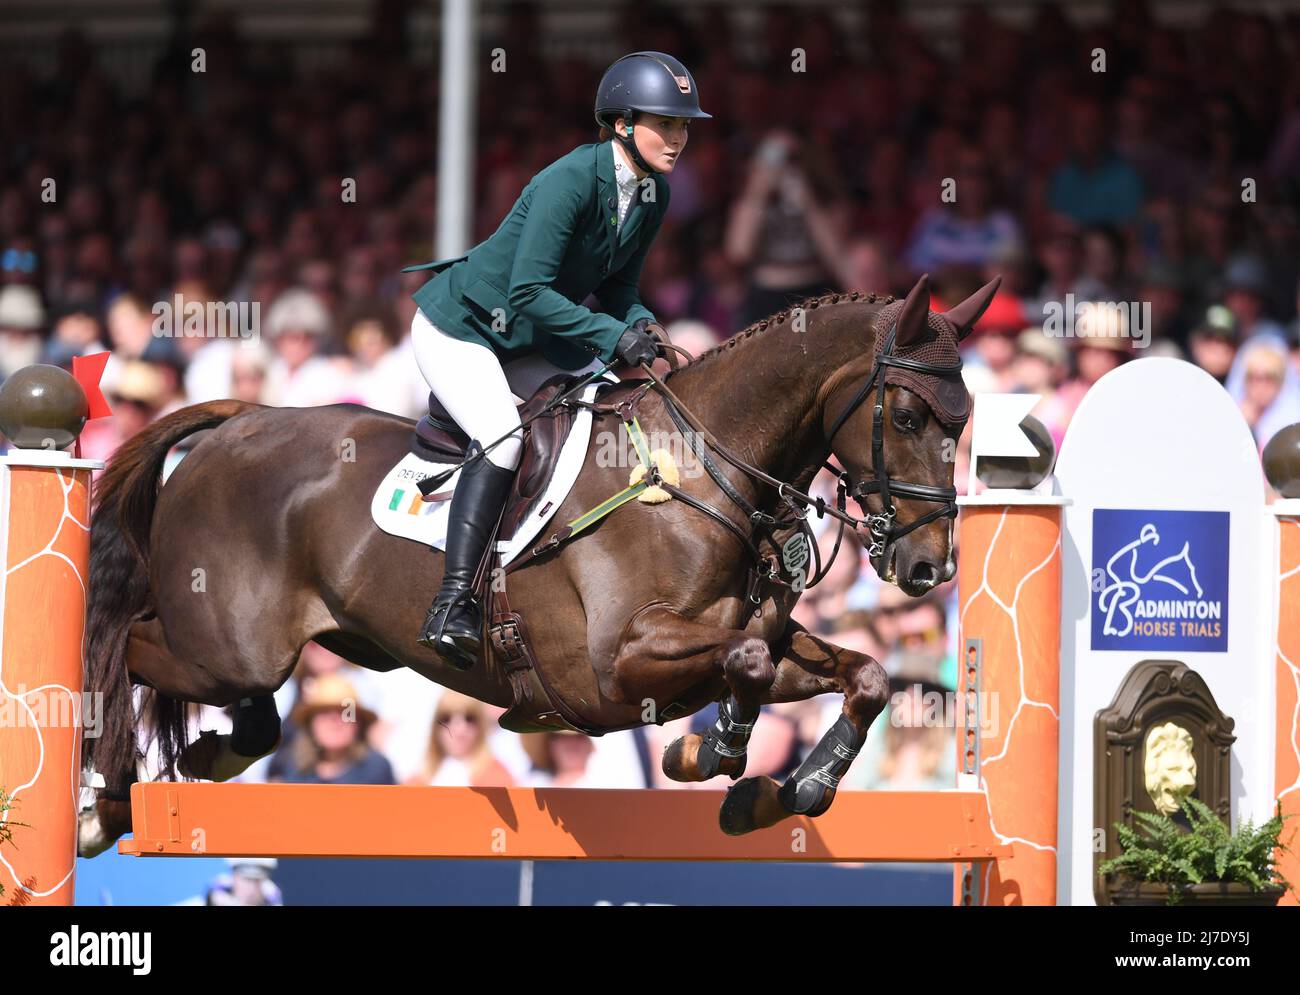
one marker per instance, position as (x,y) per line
(399,509)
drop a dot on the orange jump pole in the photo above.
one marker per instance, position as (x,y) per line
(1008,736)
(45,553)
(1287,724)
(45,514)
(188,819)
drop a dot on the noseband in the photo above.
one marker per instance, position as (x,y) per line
(882,525)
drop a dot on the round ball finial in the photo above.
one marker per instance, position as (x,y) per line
(42,407)
(1021,472)
(1282,461)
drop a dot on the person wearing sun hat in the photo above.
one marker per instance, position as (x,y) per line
(1269,396)
(1041,365)
(1100,344)
(22,320)
(331,746)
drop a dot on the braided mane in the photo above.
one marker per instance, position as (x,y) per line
(779,319)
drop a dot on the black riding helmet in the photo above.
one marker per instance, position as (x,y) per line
(649,82)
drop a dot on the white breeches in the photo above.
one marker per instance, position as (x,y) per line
(476,388)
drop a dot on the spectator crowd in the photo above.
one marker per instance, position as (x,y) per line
(1127,161)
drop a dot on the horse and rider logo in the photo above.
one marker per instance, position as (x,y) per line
(1160,580)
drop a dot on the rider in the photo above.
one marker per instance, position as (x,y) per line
(508,315)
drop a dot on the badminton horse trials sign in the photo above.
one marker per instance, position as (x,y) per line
(1165,555)
(1160,580)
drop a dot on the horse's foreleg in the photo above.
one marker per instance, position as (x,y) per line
(812,666)
(667,654)
(722,749)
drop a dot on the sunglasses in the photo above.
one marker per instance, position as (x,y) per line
(469,717)
(929,635)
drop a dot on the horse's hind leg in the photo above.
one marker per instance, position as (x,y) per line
(213,756)
(220,756)
(812,666)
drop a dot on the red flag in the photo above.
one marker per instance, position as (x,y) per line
(88,370)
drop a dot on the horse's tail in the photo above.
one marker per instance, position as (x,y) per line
(124,500)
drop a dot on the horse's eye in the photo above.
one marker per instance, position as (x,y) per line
(906,421)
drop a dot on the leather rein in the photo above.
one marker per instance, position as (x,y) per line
(798,549)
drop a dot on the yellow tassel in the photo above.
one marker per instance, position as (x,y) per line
(667,470)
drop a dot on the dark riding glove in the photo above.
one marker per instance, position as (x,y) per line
(637,346)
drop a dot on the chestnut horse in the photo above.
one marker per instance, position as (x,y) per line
(205,589)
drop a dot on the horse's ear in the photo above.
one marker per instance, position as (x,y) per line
(916,311)
(964,315)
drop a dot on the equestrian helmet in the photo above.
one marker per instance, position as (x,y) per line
(650,82)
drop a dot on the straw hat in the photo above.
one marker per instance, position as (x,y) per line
(21,309)
(330,693)
(1100,326)
(298,310)
(140,382)
(1035,342)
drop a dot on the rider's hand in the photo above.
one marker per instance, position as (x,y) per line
(637,346)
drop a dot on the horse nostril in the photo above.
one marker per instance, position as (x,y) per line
(924,574)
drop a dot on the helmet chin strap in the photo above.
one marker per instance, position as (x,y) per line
(629,146)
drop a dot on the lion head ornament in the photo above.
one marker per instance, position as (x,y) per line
(1169,767)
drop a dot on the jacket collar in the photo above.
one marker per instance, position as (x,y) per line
(607,199)
(605,164)
(607,190)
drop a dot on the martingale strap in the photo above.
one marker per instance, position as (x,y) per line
(764,569)
(611,503)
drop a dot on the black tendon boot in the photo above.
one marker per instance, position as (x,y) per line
(454,625)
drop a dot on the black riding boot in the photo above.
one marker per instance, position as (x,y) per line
(454,625)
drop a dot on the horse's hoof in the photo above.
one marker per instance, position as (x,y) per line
(751,804)
(100,825)
(682,760)
(679,758)
(211,758)
(198,758)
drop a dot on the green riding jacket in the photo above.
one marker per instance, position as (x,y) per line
(521,290)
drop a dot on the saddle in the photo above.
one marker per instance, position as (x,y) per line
(439,439)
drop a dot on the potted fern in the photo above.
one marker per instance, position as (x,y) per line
(1164,864)
(6,826)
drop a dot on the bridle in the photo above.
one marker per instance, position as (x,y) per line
(882,524)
